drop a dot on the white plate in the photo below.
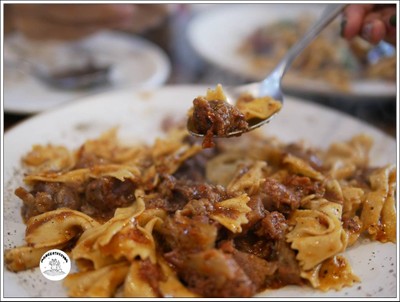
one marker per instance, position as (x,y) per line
(139,115)
(136,63)
(216,33)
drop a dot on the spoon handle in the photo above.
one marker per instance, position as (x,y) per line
(328,15)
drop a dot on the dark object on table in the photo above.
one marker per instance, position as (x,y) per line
(88,76)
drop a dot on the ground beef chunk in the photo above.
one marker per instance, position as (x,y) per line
(256,214)
(252,244)
(194,167)
(302,186)
(184,233)
(352,224)
(216,118)
(98,198)
(191,190)
(173,194)
(278,197)
(104,195)
(257,269)
(273,226)
(47,196)
(191,229)
(285,196)
(288,270)
(211,273)
(34,203)
(165,196)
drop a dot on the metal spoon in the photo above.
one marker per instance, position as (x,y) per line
(271,85)
(70,76)
(88,76)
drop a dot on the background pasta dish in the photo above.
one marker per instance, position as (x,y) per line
(329,57)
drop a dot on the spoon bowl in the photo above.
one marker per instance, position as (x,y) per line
(79,78)
(271,85)
(71,66)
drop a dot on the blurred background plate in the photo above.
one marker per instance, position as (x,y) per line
(217,33)
(134,61)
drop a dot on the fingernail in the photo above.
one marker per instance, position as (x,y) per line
(392,21)
(366,31)
(342,27)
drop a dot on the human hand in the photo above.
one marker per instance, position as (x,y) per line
(372,22)
(74,21)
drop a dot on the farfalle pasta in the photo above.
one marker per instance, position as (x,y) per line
(317,232)
(175,220)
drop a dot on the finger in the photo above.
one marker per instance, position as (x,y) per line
(381,26)
(353,17)
(374,31)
